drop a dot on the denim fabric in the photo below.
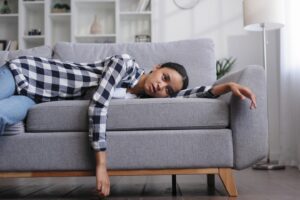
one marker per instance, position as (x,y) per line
(7,82)
(13,108)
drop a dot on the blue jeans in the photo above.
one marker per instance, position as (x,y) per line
(13,108)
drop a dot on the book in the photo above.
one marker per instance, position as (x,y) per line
(8,45)
(138,8)
(13,45)
(144,5)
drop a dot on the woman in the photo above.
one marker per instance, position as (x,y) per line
(28,80)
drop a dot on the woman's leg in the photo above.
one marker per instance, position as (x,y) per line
(7,82)
(13,109)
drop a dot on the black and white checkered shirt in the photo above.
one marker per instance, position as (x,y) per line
(44,80)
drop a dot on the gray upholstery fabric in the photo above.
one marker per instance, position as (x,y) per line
(133,114)
(127,150)
(196,55)
(3,57)
(43,51)
(249,127)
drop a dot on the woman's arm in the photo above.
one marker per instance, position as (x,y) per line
(237,90)
(196,92)
(102,179)
(114,70)
(217,90)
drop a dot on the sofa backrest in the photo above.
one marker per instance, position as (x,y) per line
(196,55)
(42,51)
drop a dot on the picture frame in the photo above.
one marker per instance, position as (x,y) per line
(3,44)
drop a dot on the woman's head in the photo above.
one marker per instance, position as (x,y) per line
(166,80)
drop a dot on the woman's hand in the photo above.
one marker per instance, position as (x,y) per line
(243,92)
(102,181)
(102,178)
(237,90)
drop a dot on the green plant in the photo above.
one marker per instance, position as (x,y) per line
(224,65)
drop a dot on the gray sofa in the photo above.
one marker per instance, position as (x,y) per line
(145,136)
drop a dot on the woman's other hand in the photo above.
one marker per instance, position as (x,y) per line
(102,178)
(237,90)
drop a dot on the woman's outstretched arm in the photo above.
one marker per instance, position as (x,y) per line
(237,90)
(217,90)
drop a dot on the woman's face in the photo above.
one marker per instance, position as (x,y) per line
(163,82)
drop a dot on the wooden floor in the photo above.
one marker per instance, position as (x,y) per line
(251,185)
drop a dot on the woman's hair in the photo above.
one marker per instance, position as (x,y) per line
(177,67)
(181,70)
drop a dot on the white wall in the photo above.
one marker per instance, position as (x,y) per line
(222,21)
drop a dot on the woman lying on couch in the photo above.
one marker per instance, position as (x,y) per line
(28,80)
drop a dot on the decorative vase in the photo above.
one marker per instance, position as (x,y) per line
(96,26)
(5,9)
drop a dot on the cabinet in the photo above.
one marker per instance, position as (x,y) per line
(9,23)
(39,22)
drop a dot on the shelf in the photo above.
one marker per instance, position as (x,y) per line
(95,36)
(33,37)
(11,15)
(33,2)
(60,16)
(136,13)
(119,21)
(95,1)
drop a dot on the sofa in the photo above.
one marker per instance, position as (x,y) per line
(145,136)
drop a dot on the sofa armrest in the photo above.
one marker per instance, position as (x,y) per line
(249,127)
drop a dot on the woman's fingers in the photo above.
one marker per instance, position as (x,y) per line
(105,189)
(244,92)
(238,93)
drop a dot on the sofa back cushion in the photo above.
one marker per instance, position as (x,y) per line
(43,51)
(196,55)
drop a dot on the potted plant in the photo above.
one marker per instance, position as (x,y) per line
(224,65)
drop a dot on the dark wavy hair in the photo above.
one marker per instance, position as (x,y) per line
(178,68)
(181,70)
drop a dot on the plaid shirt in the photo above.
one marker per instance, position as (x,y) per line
(44,80)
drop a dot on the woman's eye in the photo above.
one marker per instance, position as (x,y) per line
(167,91)
(164,77)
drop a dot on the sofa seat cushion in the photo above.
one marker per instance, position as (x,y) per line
(167,149)
(131,114)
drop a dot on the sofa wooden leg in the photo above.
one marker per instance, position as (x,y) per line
(210,184)
(174,189)
(227,178)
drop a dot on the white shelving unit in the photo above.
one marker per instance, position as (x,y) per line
(84,13)
(31,16)
(120,21)
(9,22)
(58,24)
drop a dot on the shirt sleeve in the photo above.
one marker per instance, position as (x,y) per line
(114,70)
(196,92)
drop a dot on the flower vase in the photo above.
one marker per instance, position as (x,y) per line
(96,26)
